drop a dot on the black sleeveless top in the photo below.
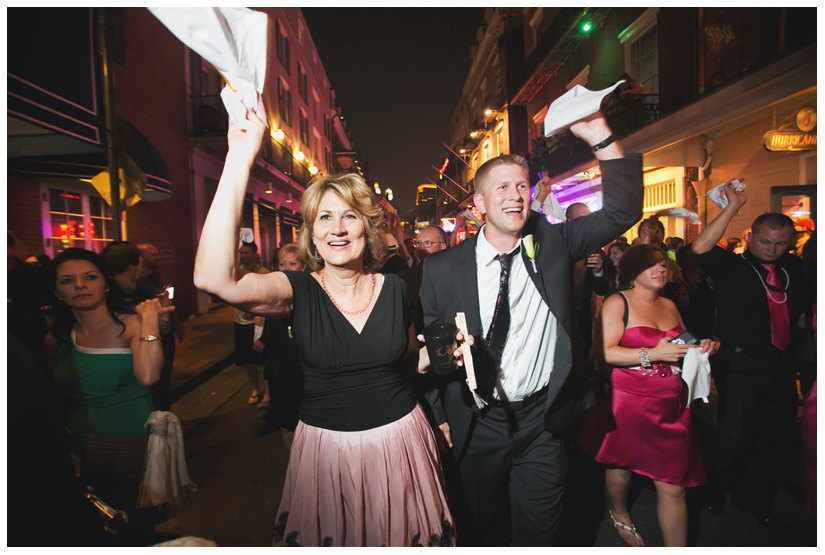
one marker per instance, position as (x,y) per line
(352,381)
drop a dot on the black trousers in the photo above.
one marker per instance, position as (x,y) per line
(757,412)
(511,449)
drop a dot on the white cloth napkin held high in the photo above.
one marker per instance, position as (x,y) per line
(717,194)
(231,39)
(166,473)
(696,374)
(575,104)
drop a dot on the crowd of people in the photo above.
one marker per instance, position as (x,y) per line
(574,339)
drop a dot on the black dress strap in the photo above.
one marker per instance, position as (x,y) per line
(626,310)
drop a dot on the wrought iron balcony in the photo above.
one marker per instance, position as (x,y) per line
(560,153)
(208,116)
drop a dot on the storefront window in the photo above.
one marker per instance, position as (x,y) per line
(76,220)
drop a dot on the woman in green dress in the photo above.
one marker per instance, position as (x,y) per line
(102,361)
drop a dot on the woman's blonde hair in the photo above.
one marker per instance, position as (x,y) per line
(355,192)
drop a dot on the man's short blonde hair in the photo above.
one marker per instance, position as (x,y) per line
(480,179)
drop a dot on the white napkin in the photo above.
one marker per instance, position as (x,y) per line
(166,473)
(717,193)
(231,39)
(246,236)
(680,213)
(696,374)
(575,104)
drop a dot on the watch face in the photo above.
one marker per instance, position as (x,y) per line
(806,119)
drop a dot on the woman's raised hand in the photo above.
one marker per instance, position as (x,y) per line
(247,144)
(152,307)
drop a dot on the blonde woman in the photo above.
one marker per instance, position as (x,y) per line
(364,468)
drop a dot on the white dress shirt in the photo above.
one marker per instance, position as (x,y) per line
(527,359)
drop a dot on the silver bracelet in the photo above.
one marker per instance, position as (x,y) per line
(644,358)
(150,338)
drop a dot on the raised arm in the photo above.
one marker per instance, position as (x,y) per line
(714,231)
(147,353)
(593,130)
(215,262)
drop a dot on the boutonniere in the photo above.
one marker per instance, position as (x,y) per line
(531,248)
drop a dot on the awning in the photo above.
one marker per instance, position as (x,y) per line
(87,165)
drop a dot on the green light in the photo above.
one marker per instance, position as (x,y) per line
(586,27)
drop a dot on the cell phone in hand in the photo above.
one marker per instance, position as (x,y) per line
(685,338)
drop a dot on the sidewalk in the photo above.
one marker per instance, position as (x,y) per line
(207,348)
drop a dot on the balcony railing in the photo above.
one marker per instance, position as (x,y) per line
(565,151)
(209,117)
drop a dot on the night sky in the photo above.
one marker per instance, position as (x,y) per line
(397,75)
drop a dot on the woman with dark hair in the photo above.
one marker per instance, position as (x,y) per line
(652,435)
(103,362)
(364,468)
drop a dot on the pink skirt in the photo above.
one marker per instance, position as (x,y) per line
(377,487)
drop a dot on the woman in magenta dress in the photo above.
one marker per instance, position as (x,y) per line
(652,435)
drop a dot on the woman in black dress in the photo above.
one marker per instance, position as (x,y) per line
(364,469)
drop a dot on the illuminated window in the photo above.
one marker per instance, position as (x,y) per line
(74,219)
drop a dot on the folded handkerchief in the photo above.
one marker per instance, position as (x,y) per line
(696,374)
(717,193)
(231,39)
(575,104)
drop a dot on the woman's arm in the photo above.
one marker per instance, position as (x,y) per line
(147,356)
(215,262)
(612,331)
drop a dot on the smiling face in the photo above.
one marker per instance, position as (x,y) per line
(614,253)
(505,201)
(80,284)
(338,232)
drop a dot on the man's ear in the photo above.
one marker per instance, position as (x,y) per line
(478,200)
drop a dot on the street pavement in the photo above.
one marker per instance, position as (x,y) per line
(239,475)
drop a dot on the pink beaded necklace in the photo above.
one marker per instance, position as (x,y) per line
(329,294)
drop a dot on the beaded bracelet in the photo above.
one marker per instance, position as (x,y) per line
(644,358)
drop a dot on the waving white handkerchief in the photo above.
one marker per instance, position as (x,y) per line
(575,104)
(231,39)
(680,213)
(717,196)
(696,374)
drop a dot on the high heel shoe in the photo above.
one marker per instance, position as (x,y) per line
(620,526)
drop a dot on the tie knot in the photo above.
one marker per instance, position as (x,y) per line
(769,268)
(505,259)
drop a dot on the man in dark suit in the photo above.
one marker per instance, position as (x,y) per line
(429,240)
(529,389)
(760,295)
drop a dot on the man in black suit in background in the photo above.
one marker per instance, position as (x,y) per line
(529,373)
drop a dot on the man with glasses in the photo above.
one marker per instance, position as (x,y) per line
(430,239)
